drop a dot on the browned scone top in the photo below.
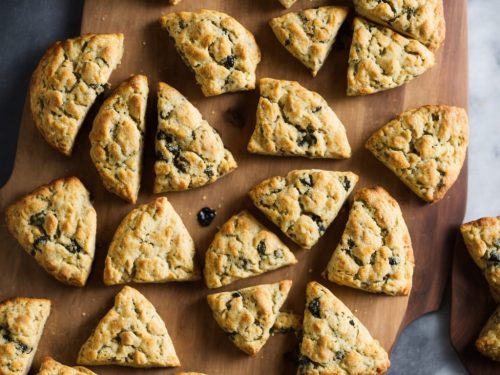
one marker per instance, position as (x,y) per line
(488,342)
(66,82)
(52,367)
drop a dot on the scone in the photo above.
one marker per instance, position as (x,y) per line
(243,248)
(420,19)
(52,367)
(335,341)
(66,83)
(425,148)
(309,34)
(151,245)
(189,152)
(381,59)
(287,3)
(482,238)
(304,202)
(293,121)
(220,51)
(131,334)
(117,138)
(21,326)
(375,252)
(248,315)
(488,342)
(287,321)
(56,224)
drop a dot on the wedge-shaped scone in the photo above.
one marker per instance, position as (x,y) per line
(21,326)
(425,148)
(287,3)
(381,59)
(309,34)
(335,341)
(151,245)
(304,202)
(56,224)
(117,138)
(420,19)
(131,334)
(66,83)
(189,152)
(52,367)
(220,51)
(488,342)
(243,248)
(293,121)
(248,315)
(375,252)
(482,238)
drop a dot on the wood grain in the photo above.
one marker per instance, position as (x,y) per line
(200,343)
(471,306)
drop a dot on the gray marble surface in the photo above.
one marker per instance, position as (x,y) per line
(27,27)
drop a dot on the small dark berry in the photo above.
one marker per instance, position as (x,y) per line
(393,261)
(205,216)
(346,184)
(314,307)
(261,248)
(229,62)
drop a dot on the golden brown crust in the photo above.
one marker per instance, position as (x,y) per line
(488,342)
(66,82)
(375,252)
(56,224)
(425,147)
(117,138)
(131,334)
(52,367)
(287,3)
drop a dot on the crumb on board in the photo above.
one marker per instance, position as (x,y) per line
(204,197)
(143,42)
(103,18)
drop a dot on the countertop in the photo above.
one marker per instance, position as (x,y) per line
(28,27)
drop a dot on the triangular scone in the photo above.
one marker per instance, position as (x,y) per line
(66,83)
(425,148)
(309,34)
(56,224)
(131,334)
(287,3)
(151,245)
(488,342)
(421,20)
(189,152)
(248,315)
(304,202)
(482,238)
(21,326)
(220,51)
(375,252)
(117,138)
(52,367)
(293,121)
(243,248)
(335,341)
(381,59)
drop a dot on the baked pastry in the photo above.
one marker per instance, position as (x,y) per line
(381,59)
(220,51)
(309,34)
(131,334)
(189,152)
(488,342)
(56,224)
(287,321)
(421,19)
(335,341)
(243,248)
(482,238)
(304,202)
(52,367)
(117,138)
(425,148)
(248,315)
(375,252)
(174,2)
(287,3)
(21,326)
(293,121)
(66,82)
(151,245)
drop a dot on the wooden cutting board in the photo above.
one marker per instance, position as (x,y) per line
(200,343)
(471,306)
